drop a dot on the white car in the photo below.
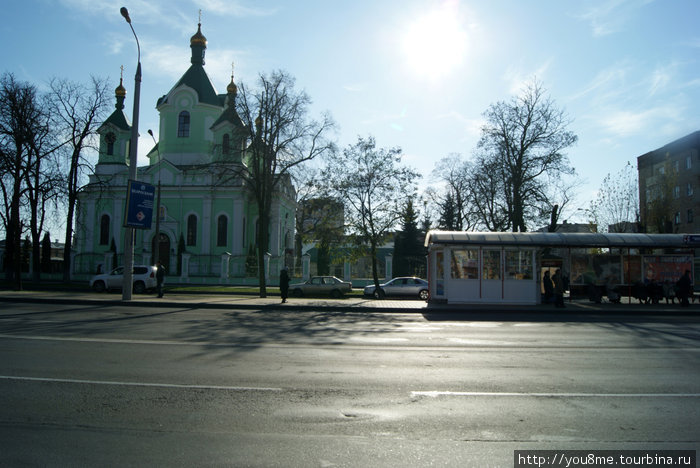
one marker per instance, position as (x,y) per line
(407,286)
(144,279)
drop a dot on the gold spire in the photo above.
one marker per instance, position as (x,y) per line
(198,39)
(121,90)
(231,88)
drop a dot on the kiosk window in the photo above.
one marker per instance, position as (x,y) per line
(465,264)
(519,264)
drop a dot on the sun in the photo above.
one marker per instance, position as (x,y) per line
(435,43)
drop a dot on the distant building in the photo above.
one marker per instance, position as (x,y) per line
(572,227)
(669,187)
(623,226)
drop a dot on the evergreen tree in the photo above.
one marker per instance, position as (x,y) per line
(409,253)
(449,216)
(26,253)
(46,254)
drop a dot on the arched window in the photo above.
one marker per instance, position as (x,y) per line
(183,124)
(192,230)
(222,231)
(104,229)
(110,138)
(226,144)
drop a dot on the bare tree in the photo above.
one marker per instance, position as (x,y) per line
(374,191)
(526,138)
(453,200)
(616,205)
(22,122)
(78,111)
(489,194)
(44,182)
(283,138)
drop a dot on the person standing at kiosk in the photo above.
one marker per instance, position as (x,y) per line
(558,288)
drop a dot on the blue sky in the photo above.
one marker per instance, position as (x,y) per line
(415,74)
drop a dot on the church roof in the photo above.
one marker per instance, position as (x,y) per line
(118,119)
(196,78)
(230,115)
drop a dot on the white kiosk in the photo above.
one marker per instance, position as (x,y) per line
(504,267)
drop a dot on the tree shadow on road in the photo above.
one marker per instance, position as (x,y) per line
(243,331)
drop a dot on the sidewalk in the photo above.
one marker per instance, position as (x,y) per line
(351,304)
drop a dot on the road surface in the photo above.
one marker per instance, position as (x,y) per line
(111,386)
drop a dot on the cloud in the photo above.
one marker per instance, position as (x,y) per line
(471,127)
(609,82)
(518,79)
(354,87)
(660,79)
(233,8)
(663,118)
(610,16)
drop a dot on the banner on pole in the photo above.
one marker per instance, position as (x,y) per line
(139,204)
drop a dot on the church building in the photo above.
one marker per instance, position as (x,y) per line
(207,220)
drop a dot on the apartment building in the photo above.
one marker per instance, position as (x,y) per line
(669,187)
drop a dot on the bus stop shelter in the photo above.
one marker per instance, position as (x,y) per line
(507,267)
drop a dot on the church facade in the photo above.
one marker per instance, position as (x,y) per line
(206,219)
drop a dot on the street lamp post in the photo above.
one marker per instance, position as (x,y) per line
(133,147)
(156,253)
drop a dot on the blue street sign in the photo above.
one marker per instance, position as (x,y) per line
(692,240)
(139,204)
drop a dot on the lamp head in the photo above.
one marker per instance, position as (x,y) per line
(125,14)
(150,132)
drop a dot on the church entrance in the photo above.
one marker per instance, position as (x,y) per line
(163,249)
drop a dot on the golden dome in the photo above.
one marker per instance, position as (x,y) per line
(120,91)
(198,39)
(232,88)
(258,121)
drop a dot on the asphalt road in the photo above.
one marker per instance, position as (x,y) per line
(82,385)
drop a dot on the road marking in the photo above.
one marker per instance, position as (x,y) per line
(142,384)
(435,394)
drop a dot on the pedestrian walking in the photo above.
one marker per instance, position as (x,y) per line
(284,284)
(558,289)
(160,278)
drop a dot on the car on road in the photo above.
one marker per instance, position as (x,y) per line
(144,279)
(406,286)
(321,286)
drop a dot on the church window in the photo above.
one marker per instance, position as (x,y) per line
(183,125)
(104,229)
(226,144)
(222,231)
(192,230)
(110,138)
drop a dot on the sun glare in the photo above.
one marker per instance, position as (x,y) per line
(435,43)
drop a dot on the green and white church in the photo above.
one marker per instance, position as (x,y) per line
(207,224)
